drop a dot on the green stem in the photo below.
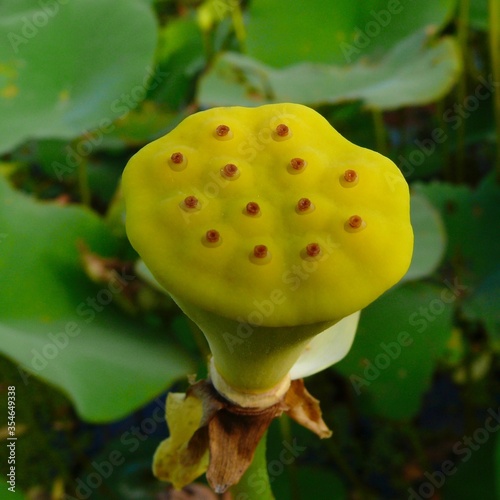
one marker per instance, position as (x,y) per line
(416,443)
(344,466)
(251,358)
(468,390)
(494,12)
(380,133)
(463,35)
(254,484)
(447,165)
(82,178)
(239,26)
(286,432)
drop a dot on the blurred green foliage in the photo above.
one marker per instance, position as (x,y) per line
(88,342)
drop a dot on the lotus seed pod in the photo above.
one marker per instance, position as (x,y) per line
(307,228)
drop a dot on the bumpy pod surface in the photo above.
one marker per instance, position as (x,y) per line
(268,209)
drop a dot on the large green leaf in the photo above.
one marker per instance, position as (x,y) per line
(12,494)
(496,466)
(474,471)
(67,67)
(336,31)
(430,238)
(484,305)
(412,73)
(479,14)
(58,325)
(471,219)
(399,340)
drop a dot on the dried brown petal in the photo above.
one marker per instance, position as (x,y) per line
(305,410)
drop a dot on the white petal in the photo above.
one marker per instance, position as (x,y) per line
(327,348)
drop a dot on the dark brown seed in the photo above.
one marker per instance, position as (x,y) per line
(350,176)
(297,163)
(222,130)
(252,208)
(177,158)
(212,236)
(355,221)
(230,170)
(282,130)
(260,251)
(313,249)
(304,204)
(191,202)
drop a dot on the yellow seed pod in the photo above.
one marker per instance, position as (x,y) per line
(360,223)
(267,216)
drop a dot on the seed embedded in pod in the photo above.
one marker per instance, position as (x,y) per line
(350,175)
(355,223)
(252,209)
(260,255)
(313,250)
(178,161)
(223,133)
(191,204)
(212,238)
(304,206)
(260,251)
(297,165)
(350,178)
(230,172)
(282,132)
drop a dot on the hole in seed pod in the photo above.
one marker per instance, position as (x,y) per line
(260,255)
(304,206)
(252,209)
(212,238)
(223,133)
(190,204)
(178,161)
(355,223)
(349,179)
(297,165)
(230,172)
(282,132)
